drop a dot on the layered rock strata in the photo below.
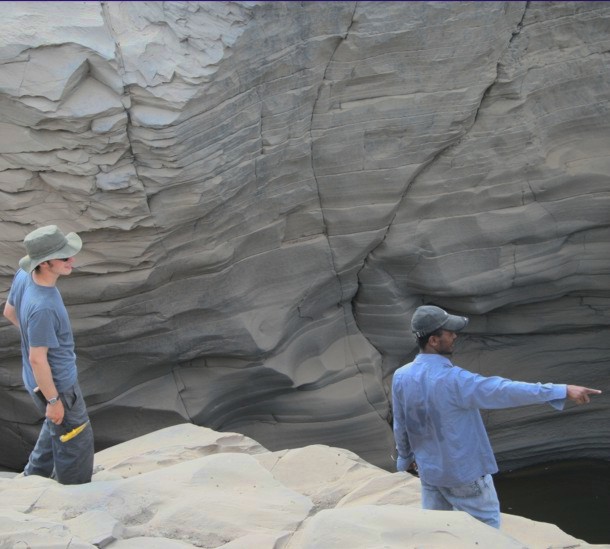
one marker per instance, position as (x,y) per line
(267,190)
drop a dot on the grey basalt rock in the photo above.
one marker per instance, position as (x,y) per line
(267,190)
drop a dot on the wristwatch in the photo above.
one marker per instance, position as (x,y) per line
(53,400)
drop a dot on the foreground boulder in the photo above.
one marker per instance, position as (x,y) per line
(188,486)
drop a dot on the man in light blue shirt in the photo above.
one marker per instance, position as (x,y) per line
(438,428)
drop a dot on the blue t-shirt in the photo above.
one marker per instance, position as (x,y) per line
(44,322)
(437,420)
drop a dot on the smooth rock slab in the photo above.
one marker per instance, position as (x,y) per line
(189,486)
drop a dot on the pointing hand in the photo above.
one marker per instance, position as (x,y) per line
(580,395)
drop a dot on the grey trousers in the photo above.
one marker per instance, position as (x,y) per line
(69,462)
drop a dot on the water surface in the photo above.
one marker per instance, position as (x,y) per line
(574,495)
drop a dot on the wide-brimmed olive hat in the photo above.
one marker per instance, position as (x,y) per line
(48,243)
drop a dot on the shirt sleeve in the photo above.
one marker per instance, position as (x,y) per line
(10,299)
(41,329)
(403,447)
(476,391)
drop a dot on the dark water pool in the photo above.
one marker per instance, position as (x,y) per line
(574,495)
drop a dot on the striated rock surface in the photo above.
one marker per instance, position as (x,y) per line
(188,486)
(267,190)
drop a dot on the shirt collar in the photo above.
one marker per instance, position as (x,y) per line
(433,359)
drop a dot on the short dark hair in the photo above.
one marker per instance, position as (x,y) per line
(423,340)
(37,268)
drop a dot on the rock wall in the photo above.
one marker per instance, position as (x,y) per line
(267,190)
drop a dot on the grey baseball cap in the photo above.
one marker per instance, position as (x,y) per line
(429,318)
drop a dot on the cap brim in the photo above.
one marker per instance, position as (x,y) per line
(455,323)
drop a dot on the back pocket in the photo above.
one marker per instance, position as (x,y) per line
(469,490)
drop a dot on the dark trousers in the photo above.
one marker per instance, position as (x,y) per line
(69,462)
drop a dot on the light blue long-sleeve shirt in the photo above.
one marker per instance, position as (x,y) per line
(437,420)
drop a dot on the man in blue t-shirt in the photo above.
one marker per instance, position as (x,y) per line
(438,429)
(36,307)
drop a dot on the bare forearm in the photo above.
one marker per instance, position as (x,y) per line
(43,376)
(11,314)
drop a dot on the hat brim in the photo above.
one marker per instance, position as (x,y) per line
(72,247)
(455,323)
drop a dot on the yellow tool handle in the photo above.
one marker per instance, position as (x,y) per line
(73,432)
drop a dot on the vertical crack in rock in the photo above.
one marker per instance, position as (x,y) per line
(180,389)
(121,70)
(515,261)
(311,141)
(513,35)
(519,26)
(427,164)
(469,124)
(348,352)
